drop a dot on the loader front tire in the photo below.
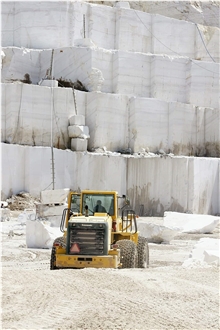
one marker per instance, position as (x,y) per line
(62,242)
(143,252)
(128,253)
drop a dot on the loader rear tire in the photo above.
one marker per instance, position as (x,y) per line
(128,253)
(143,252)
(53,259)
(61,241)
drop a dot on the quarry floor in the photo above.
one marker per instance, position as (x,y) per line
(163,297)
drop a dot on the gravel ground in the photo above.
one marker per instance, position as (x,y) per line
(163,297)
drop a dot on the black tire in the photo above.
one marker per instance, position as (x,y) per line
(143,252)
(53,259)
(128,253)
(60,240)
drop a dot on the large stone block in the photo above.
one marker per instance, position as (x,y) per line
(49,83)
(77,120)
(172,37)
(135,37)
(203,84)
(107,119)
(148,122)
(56,196)
(168,78)
(78,131)
(78,144)
(211,36)
(102,26)
(182,129)
(131,73)
(43,210)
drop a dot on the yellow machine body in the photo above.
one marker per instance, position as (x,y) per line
(86,229)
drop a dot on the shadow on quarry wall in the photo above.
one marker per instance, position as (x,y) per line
(26,80)
(210,149)
(68,83)
(151,207)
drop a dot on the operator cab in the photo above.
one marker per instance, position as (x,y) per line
(93,202)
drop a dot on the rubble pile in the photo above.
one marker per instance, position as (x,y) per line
(22,201)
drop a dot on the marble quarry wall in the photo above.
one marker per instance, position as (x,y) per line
(153,184)
(116,121)
(108,27)
(155,76)
(150,85)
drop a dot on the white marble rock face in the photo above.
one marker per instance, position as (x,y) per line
(107,27)
(152,85)
(77,120)
(106,117)
(164,77)
(56,196)
(77,131)
(192,182)
(148,122)
(79,144)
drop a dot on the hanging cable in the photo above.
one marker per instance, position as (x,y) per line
(204,42)
(215,73)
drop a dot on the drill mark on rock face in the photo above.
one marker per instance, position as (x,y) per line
(33,138)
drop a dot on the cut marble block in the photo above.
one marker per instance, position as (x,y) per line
(168,78)
(3,112)
(172,37)
(211,36)
(40,235)
(102,26)
(86,42)
(56,196)
(21,61)
(156,76)
(49,83)
(43,210)
(28,121)
(148,123)
(74,63)
(206,250)
(77,131)
(110,28)
(12,163)
(182,129)
(78,144)
(54,220)
(135,37)
(131,73)
(202,84)
(155,233)
(149,178)
(33,20)
(99,75)
(165,183)
(107,119)
(200,131)
(191,223)
(206,178)
(212,132)
(77,120)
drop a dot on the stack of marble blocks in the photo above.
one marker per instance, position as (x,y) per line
(78,133)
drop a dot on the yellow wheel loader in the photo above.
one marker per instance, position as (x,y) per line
(95,235)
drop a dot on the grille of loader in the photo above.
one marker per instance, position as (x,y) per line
(90,240)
